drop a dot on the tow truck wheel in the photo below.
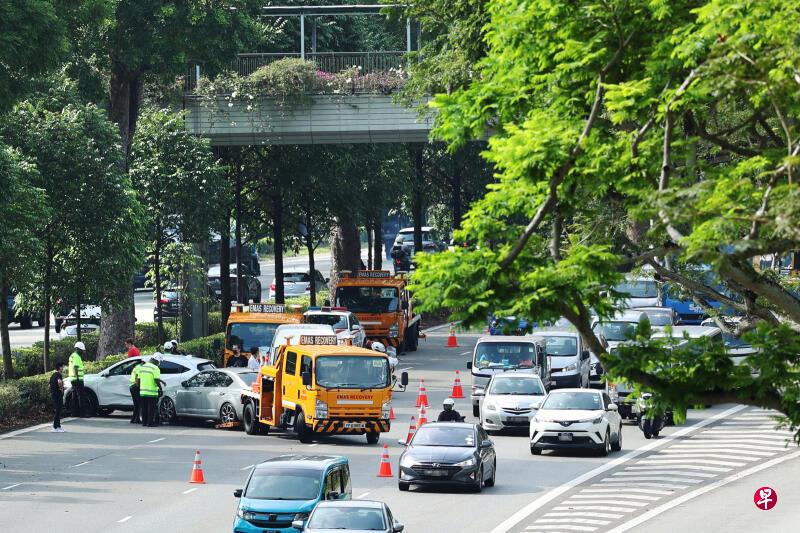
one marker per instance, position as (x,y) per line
(304,433)
(413,338)
(373,437)
(249,421)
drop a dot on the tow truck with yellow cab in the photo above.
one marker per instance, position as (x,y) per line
(253,326)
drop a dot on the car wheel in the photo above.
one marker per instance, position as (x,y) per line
(413,338)
(403,486)
(606,449)
(167,411)
(617,444)
(478,486)
(40,322)
(104,411)
(25,322)
(227,413)
(304,433)
(249,420)
(490,481)
(476,411)
(647,428)
(535,450)
(373,437)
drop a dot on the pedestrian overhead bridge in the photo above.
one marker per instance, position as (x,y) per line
(345,97)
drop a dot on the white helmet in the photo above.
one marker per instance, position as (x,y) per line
(80,346)
(174,343)
(168,345)
(378,347)
(448,404)
(156,358)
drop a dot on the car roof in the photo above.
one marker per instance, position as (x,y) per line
(465,425)
(655,308)
(515,375)
(331,312)
(298,327)
(554,333)
(588,391)
(628,315)
(303,461)
(236,370)
(411,230)
(175,358)
(694,332)
(506,338)
(371,504)
(315,350)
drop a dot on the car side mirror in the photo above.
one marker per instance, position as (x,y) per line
(469,365)
(405,305)
(355,327)
(612,407)
(487,444)
(327,280)
(306,376)
(298,525)
(585,354)
(333,495)
(398,527)
(184,384)
(238,493)
(404,379)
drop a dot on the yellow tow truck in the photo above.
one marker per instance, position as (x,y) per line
(320,387)
(253,326)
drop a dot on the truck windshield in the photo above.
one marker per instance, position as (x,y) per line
(336,321)
(284,484)
(368,299)
(250,335)
(352,372)
(505,354)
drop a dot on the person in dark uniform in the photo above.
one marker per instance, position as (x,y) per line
(57,395)
(237,360)
(134,388)
(449,414)
(400,259)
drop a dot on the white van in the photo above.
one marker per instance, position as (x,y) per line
(640,291)
(290,334)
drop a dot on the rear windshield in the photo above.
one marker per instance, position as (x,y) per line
(444,436)
(248,336)
(284,484)
(295,277)
(337,321)
(206,366)
(347,518)
(659,318)
(248,378)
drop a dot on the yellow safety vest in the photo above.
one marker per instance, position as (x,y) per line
(148,379)
(75,361)
(135,374)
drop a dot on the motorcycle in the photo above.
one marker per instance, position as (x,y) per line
(650,424)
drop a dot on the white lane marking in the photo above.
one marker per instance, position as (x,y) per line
(573,520)
(638,491)
(407,368)
(123,520)
(682,467)
(364,495)
(156,440)
(744,435)
(466,353)
(644,477)
(596,508)
(567,527)
(620,496)
(702,455)
(600,500)
(714,450)
(663,472)
(11,486)
(628,483)
(248,467)
(80,464)
(554,493)
(189,491)
(575,513)
(699,460)
(755,445)
(701,490)
(312,445)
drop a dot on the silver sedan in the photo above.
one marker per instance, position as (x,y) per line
(210,395)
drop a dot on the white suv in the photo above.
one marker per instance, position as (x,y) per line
(344,323)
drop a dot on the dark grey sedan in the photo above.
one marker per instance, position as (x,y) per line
(448,453)
(350,515)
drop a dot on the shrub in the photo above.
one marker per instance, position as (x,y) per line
(287,77)
(206,347)
(146,334)
(215,323)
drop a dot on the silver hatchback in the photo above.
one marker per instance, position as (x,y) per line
(511,401)
(210,395)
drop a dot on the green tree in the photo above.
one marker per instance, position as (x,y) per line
(627,134)
(180,183)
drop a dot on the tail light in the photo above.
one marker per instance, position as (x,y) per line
(164,301)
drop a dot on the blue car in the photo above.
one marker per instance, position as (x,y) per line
(508,325)
(286,488)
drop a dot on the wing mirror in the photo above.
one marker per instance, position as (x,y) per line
(398,527)
(306,376)
(612,407)
(333,495)
(184,384)
(238,493)
(487,444)
(585,354)
(404,379)
(469,365)
(298,525)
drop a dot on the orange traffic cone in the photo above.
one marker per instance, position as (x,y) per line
(452,342)
(458,392)
(391,413)
(423,415)
(385,469)
(412,428)
(422,397)
(197,470)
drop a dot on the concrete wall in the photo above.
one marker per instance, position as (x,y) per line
(330,119)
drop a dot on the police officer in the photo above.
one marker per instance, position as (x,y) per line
(134,388)
(148,377)
(75,371)
(449,414)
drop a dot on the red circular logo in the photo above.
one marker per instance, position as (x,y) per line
(765,498)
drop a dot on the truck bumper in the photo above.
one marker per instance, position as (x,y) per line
(351,426)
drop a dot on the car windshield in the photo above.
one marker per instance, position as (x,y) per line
(616,330)
(561,346)
(248,377)
(250,335)
(505,354)
(296,277)
(336,321)
(352,372)
(734,342)
(521,386)
(659,318)
(368,299)
(462,437)
(638,289)
(409,237)
(348,518)
(583,401)
(283,484)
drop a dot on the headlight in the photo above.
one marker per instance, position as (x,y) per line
(468,462)
(539,418)
(302,516)
(477,391)
(406,461)
(320,409)
(386,410)
(394,330)
(245,515)
(490,406)
(570,367)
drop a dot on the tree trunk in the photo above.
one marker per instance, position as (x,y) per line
(377,244)
(47,289)
(241,295)
(415,151)
(311,266)
(369,246)
(277,237)
(225,268)
(124,99)
(78,315)
(345,248)
(157,267)
(5,340)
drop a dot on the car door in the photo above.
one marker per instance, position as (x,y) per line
(187,399)
(216,393)
(114,387)
(614,419)
(291,389)
(487,454)
(360,337)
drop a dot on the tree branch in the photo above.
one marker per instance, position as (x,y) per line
(764,287)
(723,143)
(695,286)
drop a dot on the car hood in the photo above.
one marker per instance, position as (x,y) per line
(277,506)
(513,401)
(439,454)
(569,415)
(498,370)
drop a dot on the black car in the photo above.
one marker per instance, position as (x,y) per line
(171,302)
(24,318)
(249,279)
(448,453)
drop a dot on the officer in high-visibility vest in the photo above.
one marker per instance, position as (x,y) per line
(75,370)
(148,377)
(134,388)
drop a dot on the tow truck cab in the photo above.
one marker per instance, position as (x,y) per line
(253,326)
(382,305)
(321,387)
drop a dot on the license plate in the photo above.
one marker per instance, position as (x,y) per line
(355,425)
(565,437)
(517,419)
(435,473)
